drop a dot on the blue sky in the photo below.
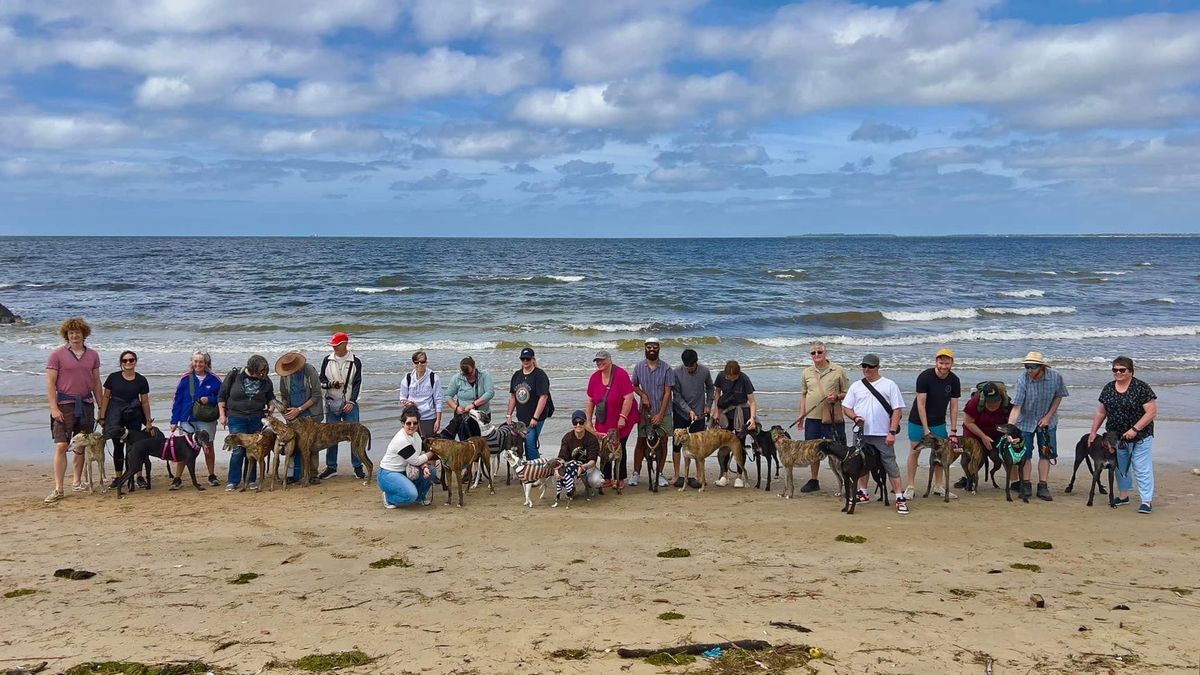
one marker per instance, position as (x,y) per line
(622,118)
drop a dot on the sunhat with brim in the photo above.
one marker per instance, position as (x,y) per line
(290,364)
(1035,357)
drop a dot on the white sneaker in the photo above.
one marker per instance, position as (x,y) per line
(54,496)
(737,482)
(663,482)
(909,492)
(937,490)
(79,487)
(722,481)
(633,481)
(388,506)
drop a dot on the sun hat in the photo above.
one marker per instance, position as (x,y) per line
(290,364)
(1035,357)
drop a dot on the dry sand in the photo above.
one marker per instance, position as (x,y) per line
(495,587)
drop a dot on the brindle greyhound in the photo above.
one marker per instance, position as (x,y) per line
(259,449)
(701,444)
(793,453)
(309,438)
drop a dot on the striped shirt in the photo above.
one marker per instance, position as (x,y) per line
(1036,396)
(654,382)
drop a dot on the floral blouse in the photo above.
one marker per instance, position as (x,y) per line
(1124,410)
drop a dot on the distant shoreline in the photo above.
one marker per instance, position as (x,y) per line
(813,235)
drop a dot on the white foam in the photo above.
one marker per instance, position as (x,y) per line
(609,327)
(1143,264)
(1023,293)
(982,335)
(1165,301)
(1029,311)
(568,278)
(372,290)
(932,315)
(1111,273)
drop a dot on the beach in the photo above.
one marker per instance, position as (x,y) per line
(496,587)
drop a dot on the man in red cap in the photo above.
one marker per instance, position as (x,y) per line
(341,378)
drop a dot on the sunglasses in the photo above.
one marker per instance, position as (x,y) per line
(422,361)
(526,358)
(817,353)
(1120,370)
(411,423)
(1032,366)
(135,361)
(578,423)
(866,367)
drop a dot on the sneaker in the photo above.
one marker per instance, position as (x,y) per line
(252,485)
(231,487)
(633,481)
(909,492)
(722,481)
(1043,493)
(678,482)
(387,505)
(811,486)
(961,484)
(213,481)
(901,505)
(694,483)
(937,490)
(737,482)
(1145,508)
(662,482)
(54,496)
(79,487)
(1120,501)
(141,483)
(359,473)
(329,472)
(113,484)
(864,497)
(176,484)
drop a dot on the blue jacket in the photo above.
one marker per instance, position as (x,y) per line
(181,410)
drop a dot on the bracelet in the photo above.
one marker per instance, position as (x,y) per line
(623,416)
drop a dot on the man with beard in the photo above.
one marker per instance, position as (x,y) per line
(652,382)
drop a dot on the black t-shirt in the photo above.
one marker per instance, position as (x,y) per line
(528,389)
(733,392)
(938,393)
(1124,410)
(127,390)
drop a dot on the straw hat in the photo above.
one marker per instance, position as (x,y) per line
(1035,357)
(290,363)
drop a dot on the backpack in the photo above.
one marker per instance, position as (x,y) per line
(408,379)
(999,387)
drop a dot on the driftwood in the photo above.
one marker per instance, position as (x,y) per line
(792,626)
(748,645)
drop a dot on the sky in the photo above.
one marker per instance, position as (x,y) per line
(615,118)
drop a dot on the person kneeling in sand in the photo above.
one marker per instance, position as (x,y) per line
(580,453)
(406,470)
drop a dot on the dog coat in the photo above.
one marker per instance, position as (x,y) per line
(532,470)
(570,473)
(1015,451)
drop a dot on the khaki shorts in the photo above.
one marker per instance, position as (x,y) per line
(62,431)
(664,429)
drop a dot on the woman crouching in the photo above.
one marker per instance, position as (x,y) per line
(406,471)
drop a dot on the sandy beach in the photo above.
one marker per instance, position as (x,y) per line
(494,587)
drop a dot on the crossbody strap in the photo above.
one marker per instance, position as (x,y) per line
(887,407)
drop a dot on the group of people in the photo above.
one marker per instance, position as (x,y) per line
(656,399)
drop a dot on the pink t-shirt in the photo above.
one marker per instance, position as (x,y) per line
(621,387)
(76,376)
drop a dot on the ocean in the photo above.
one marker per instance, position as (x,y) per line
(1080,300)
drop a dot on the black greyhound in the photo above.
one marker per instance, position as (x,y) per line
(764,448)
(861,459)
(141,445)
(1011,443)
(1083,453)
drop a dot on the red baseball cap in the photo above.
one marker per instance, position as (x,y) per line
(339,338)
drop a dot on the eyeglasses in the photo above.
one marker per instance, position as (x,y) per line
(1032,366)
(866,367)
(135,361)
(421,361)
(817,353)
(1120,370)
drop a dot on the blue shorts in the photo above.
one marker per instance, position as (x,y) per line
(815,428)
(916,432)
(1051,437)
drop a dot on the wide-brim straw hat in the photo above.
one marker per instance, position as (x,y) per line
(290,364)
(1035,357)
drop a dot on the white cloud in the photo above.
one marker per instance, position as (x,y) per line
(502,143)
(584,106)
(445,72)
(319,140)
(61,131)
(164,92)
(622,49)
(309,99)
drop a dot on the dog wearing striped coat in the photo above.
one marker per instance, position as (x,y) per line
(531,472)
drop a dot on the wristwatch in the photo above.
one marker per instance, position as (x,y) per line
(893,431)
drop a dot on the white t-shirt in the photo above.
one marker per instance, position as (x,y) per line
(392,461)
(876,421)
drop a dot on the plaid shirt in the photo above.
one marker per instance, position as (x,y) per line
(1036,396)
(654,382)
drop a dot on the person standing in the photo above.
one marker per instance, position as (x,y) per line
(1130,406)
(127,399)
(735,409)
(72,389)
(1035,400)
(300,392)
(529,398)
(823,387)
(194,408)
(422,389)
(610,406)
(653,381)
(691,399)
(876,406)
(470,389)
(341,378)
(246,395)
(938,390)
